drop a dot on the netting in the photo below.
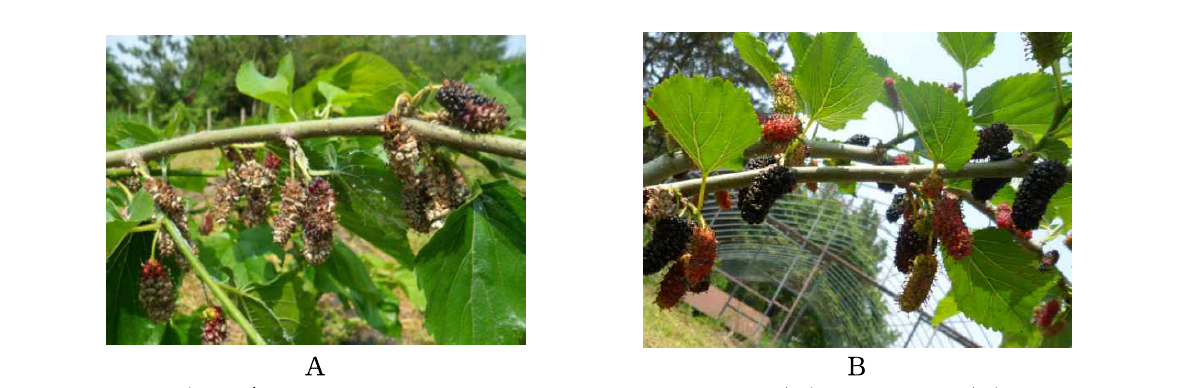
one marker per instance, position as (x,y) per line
(819,273)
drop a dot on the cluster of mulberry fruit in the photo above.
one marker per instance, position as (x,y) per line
(767,187)
(910,243)
(781,128)
(919,284)
(467,109)
(992,139)
(891,93)
(1042,181)
(249,179)
(1002,218)
(983,189)
(216,327)
(156,292)
(170,201)
(784,95)
(670,238)
(431,190)
(319,220)
(950,228)
(898,206)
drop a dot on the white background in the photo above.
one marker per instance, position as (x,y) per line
(584,301)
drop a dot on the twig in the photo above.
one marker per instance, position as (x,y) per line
(668,165)
(225,303)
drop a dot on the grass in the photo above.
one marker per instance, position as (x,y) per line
(679,327)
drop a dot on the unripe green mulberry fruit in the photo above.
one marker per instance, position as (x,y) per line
(1045,47)
(991,139)
(767,187)
(784,95)
(1042,181)
(216,327)
(670,238)
(156,292)
(919,285)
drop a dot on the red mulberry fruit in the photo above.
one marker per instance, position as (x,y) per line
(469,110)
(724,199)
(902,160)
(1042,181)
(858,140)
(951,228)
(897,207)
(319,220)
(781,128)
(992,139)
(157,293)
(1046,313)
(216,327)
(669,241)
(931,187)
(891,93)
(291,209)
(983,189)
(909,244)
(767,187)
(1002,218)
(673,287)
(702,257)
(919,285)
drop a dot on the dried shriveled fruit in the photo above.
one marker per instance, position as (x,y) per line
(950,228)
(659,204)
(919,284)
(470,110)
(156,292)
(165,196)
(320,217)
(1031,201)
(291,210)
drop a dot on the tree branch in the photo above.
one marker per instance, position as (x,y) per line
(898,174)
(667,165)
(349,126)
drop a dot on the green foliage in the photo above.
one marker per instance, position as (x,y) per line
(273,90)
(947,308)
(347,276)
(127,322)
(941,119)
(711,119)
(835,81)
(1024,102)
(882,69)
(473,271)
(756,54)
(998,284)
(967,48)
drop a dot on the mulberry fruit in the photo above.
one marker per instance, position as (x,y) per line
(1069,241)
(919,285)
(858,140)
(892,93)
(168,199)
(702,257)
(951,229)
(1002,218)
(291,209)
(156,293)
(910,243)
(319,219)
(469,110)
(992,139)
(931,187)
(781,128)
(669,241)
(897,207)
(784,94)
(983,189)
(767,187)
(1049,260)
(673,287)
(1045,47)
(1044,314)
(953,87)
(759,162)
(165,196)
(257,184)
(659,204)
(216,327)
(902,160)
(1042,181)
(724,199)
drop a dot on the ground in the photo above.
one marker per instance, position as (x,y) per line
(680,327)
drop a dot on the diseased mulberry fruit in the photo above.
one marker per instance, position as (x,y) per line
(784,94)
(216,327)
(702,257)
(156,292)
(724,199)
(892,93)
(991,139)
(767,187)
(673,287)
(1045,47)
(291,209)
(659,204)
(670,238)
(909,244)
(165,196)
(950,228)
(319,219)
(1042,181)
(469,110)
(168,199)
(858,140)
(257,184)
(919,285)
(984,188)
(897,207)
(781,128)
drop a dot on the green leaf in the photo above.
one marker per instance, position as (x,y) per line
(111,213)
(882,69)
(127,322)
(346,275)
(241,256)
(142,207)
(114,233)
(337,97)
(799,42)
(1062,205)
(998,284)
(835,81)
(942,121)
(946,309)
(513,79)
(967,48)
(274,90)
(284,311)
(1024,102)
(186,329)
(756,54)
(128,134)
(366,74)
(473,271)
(711,119)
(390,275)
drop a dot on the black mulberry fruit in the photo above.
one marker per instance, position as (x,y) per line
(992,139)
(909,245)
(897,207)
(673,287)
(858,140)
(469,110)
(156,293)
(1042,181)
(983,189)
(669,241)
(767,187)
(759,162)
(319,220)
